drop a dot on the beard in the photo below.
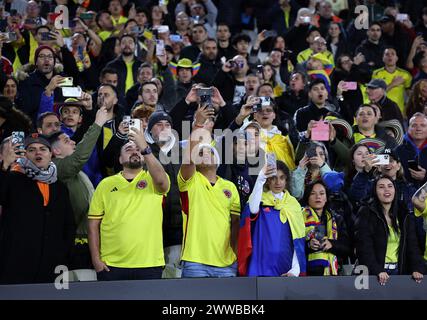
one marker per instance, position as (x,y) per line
(134,162)
(127,52)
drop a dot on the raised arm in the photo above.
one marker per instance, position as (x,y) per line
(155,168)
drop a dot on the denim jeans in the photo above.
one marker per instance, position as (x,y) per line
(199,270)
(129,274)
(392,272)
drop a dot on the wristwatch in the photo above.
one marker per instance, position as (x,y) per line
(146,151)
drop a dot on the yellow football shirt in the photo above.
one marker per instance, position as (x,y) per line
(206,212)
(131,228)
(424,215)
(304,55)
(397,94)
(121,20)
(392,252)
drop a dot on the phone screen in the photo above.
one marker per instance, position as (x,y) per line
(74,92)
(351,85)
(160,47)
(412,164)
(320,131)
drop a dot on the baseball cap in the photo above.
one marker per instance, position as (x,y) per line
(377,83)
(37,138)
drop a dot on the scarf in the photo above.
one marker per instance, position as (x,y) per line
(325,259)
(28,168)
(280,145)
(82,60)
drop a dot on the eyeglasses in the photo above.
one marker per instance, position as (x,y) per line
(48,57)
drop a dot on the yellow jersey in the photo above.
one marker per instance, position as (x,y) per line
(131,227)
(206,212)
(397,94)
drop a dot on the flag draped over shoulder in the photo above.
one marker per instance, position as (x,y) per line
(290,211)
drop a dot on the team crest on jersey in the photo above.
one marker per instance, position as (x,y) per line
(227,193)
(141,184)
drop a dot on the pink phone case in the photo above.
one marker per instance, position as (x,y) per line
(320,132)
(351,85)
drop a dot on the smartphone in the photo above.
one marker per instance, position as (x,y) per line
(271,161)
(46,36)
(319,232)
(205,95)
(86,15)
(383,159)
(175,38)
(311,151)
(11,36)
(265,101)
(18,138)
(270,34)
(67,82)
(306,19)
(320,131)
(412,164)
(402,17)
(126,120)
(163,29)
(160,47)
(136,30)
(350,85)
(30,21)
(135,123)
(72,92)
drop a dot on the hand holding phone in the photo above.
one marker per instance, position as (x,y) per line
(382,159)
(270,160)
(412,164)
(72,92)
(160,47)
(134,123)
(67,82)
(18,139)
(350,85)
(270,34)
(320,131)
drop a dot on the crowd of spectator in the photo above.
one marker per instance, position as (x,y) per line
(207,138)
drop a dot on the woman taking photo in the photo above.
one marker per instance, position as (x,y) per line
(385,235)
(325,231)
(271,237)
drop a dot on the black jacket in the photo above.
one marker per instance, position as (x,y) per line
(172,214)
(341,247)
(409,151)
(289,102)
(120,66)
(390,110)
(208,70)
(371,240)
(32,88)
(33,239)
(311,112)
(373,54)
